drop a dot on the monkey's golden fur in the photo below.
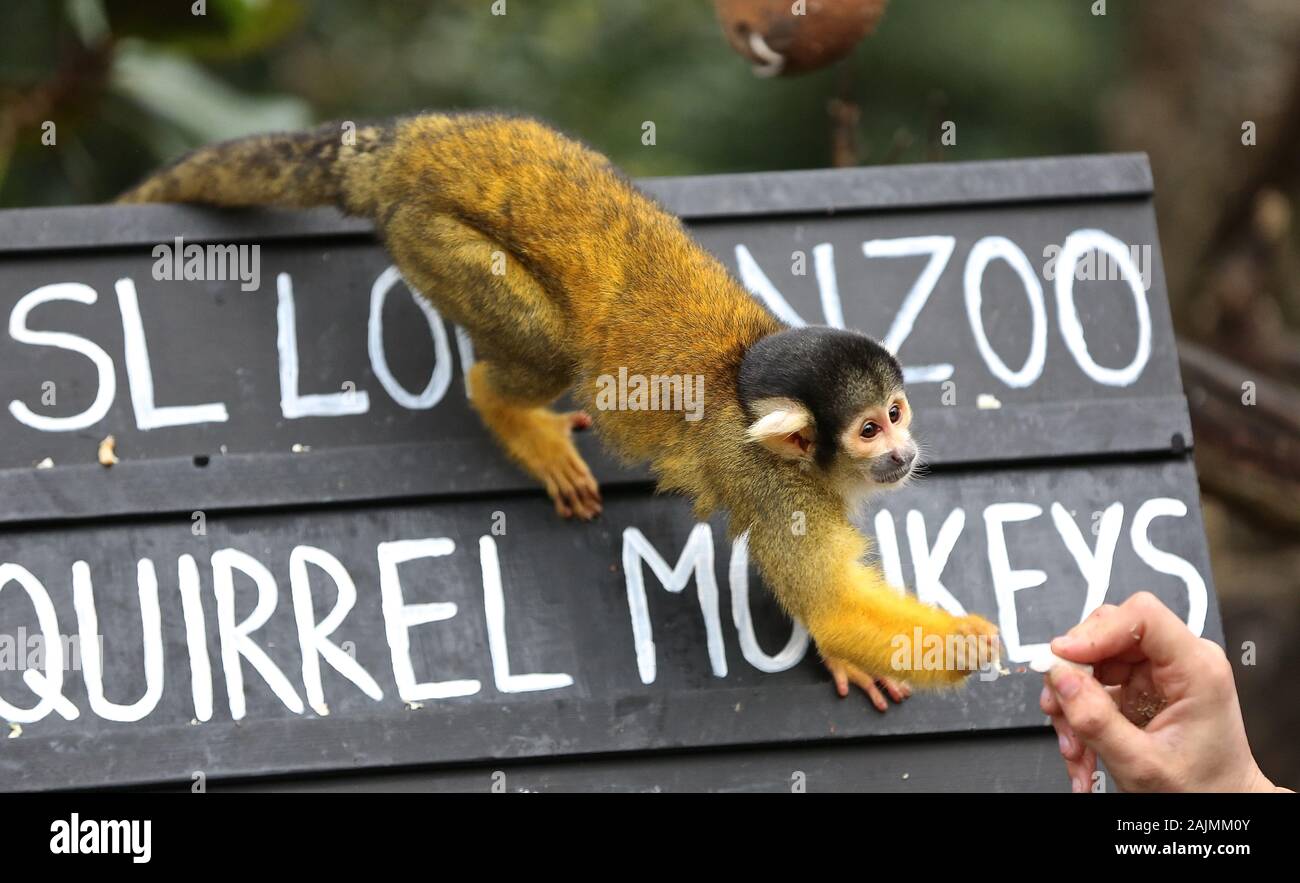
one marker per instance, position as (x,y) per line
(597,277)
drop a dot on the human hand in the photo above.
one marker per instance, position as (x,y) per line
(1167,717)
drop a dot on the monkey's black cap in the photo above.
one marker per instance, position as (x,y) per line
(833,372)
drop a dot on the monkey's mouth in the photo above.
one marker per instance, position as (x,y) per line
(892,475)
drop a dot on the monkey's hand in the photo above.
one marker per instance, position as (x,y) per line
(985,633)
(867,623)
(845,673)
(850,610)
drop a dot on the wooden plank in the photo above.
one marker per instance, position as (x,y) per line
(453,467)
(212,343)
(929,185)
(1025,762)
(571,609)
(1052,412)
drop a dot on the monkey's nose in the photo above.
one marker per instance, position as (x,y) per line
(902,457)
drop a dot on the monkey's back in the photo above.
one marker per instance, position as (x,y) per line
(635,290)
(561,209)
(596,276)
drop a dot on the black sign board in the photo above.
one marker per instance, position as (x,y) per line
(310,557)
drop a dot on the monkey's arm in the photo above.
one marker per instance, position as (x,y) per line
(852,613)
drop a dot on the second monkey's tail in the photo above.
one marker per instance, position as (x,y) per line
(289,169)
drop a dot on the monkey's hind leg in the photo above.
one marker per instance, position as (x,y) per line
(513,406)
(520,336)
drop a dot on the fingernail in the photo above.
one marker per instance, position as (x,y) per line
(1045,696)
(1064,741)
(1064,642)
(1065,680)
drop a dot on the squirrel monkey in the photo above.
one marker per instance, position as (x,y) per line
(562,271)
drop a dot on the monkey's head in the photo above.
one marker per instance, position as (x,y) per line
(833,400)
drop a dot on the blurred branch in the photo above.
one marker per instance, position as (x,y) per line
(1213,99)
(80,77)
(846,115)
(1247,438)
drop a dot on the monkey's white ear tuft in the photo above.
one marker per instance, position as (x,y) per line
(785,429)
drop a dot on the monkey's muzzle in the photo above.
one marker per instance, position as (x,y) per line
(893,467)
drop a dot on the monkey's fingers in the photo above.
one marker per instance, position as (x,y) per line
(585,492)
(580,474)
(845,673)
(579,420)
(562,507)
(868,686)
(570,497)
(547,451)
(898,690)
(840,675)
(988,649)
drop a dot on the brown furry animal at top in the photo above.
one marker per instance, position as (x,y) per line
(597,277)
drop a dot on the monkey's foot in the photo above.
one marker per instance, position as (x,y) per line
(543,445)
(845,673)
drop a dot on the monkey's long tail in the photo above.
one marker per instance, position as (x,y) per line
(290,169)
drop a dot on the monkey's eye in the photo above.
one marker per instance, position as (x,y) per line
(869,430)
(894,413)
